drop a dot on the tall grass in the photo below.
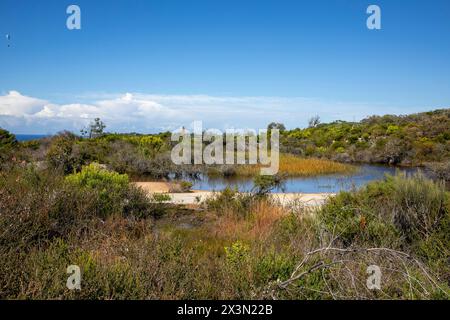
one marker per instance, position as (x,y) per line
(293,166)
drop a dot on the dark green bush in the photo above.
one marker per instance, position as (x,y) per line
(7,143)
(59,155)
(7,140)
(230,201)
(262,185)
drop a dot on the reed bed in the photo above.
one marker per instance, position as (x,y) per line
(293,166)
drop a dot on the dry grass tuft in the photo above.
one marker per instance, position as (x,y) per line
(257,225)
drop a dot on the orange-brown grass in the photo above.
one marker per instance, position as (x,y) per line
(257,225)
(294,166)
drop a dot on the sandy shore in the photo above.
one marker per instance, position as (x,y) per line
(196,196)
(155,187)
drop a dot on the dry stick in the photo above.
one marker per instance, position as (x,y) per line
(306,258)
(328,287)
(321,264)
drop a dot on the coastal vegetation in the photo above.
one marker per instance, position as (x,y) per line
(233,246)
(416,139)
(69,200)
(149,155)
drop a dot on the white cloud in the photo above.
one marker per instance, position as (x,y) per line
(149,113)
(15,104)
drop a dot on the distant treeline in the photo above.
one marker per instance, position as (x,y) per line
(403,140)
(412,140)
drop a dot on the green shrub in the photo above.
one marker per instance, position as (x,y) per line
(94,176)
(230,201)
(7,143)
(7,140)
(59,154)
(419,205)
(238,258)
(273,267)
(186,186)
(340,150)
(262,185)
(114,193)
(412,139)
(396,212)
(392,129)
(39,206)
(31,144)
(237,254)
(150,145)
(161,197)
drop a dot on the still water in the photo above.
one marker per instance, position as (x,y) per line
(319,184)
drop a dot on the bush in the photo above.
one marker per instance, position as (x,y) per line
(396,212)
(48,223)
(349,218)
(419,205)
(37,207)
(96,177)
(7,143)
(265,184)
(238,267)
(7,140)
(59,154)
(274,267)
(230,201)
(114,193)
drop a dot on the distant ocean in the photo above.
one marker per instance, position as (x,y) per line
(28,137)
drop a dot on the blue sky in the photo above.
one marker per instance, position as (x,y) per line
(153,65)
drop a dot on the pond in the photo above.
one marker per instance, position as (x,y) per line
(318,184)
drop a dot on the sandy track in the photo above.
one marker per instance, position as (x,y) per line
(194,197)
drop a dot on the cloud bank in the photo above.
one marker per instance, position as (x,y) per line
(146,113)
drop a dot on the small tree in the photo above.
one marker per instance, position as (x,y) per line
(59,154)
(7,140)
(7,143)
(95,129)
(314,122)
(276,125)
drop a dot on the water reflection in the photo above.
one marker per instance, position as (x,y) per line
(318,184)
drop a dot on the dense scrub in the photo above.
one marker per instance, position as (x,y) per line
(410,140)
(417,139)
(144,155)
(235,246)
(135,155)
